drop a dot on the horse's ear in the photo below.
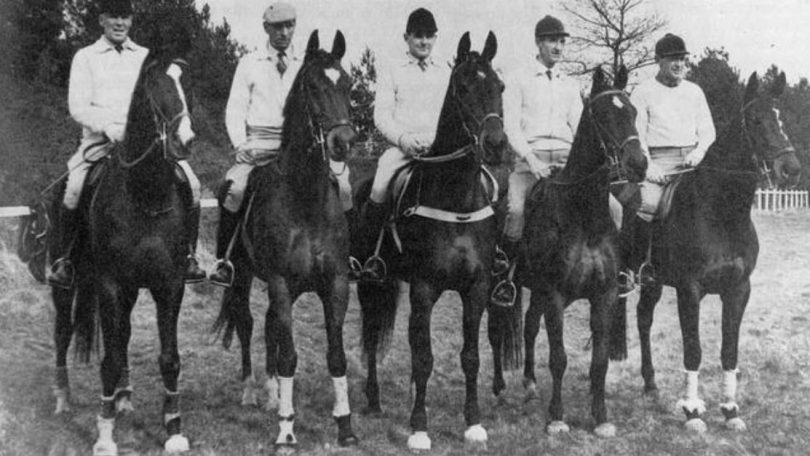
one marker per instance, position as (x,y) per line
(620,79)
(490,47)
(598,81)
(463,47)
(751,88)
(779,85)
(314,43)
(338,46)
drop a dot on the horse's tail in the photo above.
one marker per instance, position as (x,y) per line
(506,333)
(225,323)
(617,343)
(378,307)
(85,318)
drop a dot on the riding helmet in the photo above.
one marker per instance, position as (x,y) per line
(670,46)
(549,27)
(421,20)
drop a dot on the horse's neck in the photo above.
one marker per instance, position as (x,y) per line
(304,169)
(586,154)
(451,134)
(731,150)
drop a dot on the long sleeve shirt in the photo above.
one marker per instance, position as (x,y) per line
(102,81)
(673,116)
(409,99)
(258,93)
(541,109)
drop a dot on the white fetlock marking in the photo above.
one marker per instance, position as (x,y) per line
(123,404)
(249,391)
(691,401)
(475,433)
(105,446)
(735,424)
(693,405)
(285,433)
(285,388)
(419,441)
(176,444)
(62,400)
(605,430)
(271,385)
(729,406)
(729,385)
(696,425)
(169,416)
(341,407)
(557,427)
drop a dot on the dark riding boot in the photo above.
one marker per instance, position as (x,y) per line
(223,269)
(626,280)
(372,219)
(642,252)
(193,273)
(504,292)
(60,274)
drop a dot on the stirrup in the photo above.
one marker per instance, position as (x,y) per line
(646,275)
(355,268)
(61,282)
(626,282)
(193,276)
(374,269)
(500,290)
(500,262)
(228,266)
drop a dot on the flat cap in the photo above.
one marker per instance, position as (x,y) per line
(549,27)
(279,12)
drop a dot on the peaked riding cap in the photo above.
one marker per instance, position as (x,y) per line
(421,20)
(670,46)
(549,27)
(115,7)
(279,12)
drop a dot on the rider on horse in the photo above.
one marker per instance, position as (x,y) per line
(253,117)
(675,128)
(102,79)
(407,107)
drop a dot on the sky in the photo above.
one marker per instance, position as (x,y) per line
(757,33)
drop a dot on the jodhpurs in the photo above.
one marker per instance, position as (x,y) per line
(391,161)
(669,160)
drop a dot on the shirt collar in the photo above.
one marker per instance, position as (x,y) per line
(415,61)
(104,45)
(271,53)
(541,70)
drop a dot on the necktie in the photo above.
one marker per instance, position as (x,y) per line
(422,65)
(548,73)
(118,47)
(282,63)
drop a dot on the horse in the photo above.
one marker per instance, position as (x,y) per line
(447,235)
(132,237)
(707,244)
(569,248)
(295,238)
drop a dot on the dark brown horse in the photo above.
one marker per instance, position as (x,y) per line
(570,248)
(708,244)
(296,238)
(447,235)
(133,238)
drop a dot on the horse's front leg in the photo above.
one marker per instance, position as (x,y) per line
(530,330)
(168,299)
(334,296)
(650,295)
(689,315)
(734,303)
(601,313)
(423,297)
(558,360)
(279,314)
(475,301)
(110,316)
(62,333)
(123,391)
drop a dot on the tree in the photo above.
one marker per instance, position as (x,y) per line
(721,84)
(794,110)
(364,77)
(612,33)
(36,25)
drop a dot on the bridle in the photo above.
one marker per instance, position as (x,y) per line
(164,125)
(613,148)
(476,144)
(762,164)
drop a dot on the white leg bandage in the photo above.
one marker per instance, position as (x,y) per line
(691,401)
(285,386)
(341,407)
(729,390)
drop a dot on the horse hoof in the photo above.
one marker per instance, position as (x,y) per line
(176,444)
(475,434)
(557,427)
(62,400)
(419,441)
(605,430)
(735,424)
(696,425)
(124,405)
(348,441)
(531,390)
(286,440)
(105,448)
(374,411)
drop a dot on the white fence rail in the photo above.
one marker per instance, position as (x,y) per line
(779,200)
(19,211)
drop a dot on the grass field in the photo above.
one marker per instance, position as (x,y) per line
(774,370)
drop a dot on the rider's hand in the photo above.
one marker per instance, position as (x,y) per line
(411,144)
(114,132)
(693,158)
(537,167)
(654,173)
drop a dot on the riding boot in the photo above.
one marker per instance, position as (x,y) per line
(504,292)
(372,219)
(193,273)
(60,274)
(643,253)
(223,268)
(626,280)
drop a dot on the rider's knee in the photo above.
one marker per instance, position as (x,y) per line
(186,175)
(73,187)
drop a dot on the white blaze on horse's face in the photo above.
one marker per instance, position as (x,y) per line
(618,103)
(184,131)
(781,125)
(332,74)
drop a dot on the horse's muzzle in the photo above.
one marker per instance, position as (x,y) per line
(339,141)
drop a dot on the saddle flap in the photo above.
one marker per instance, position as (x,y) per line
(667,194)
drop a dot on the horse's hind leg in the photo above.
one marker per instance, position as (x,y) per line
(168,299)
(734,303)
(532,326)
(650,295)
(123,391)
(423,297)
(63,332)
(378,305)
(335,299)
